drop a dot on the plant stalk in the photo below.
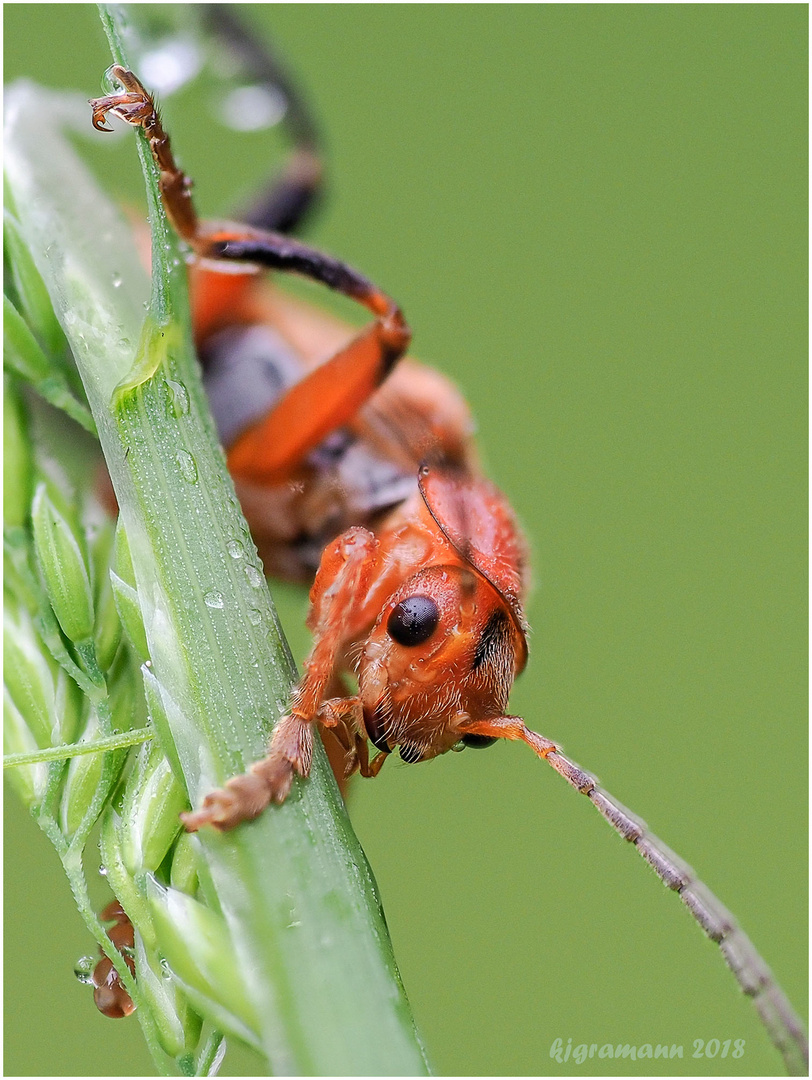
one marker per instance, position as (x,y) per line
(294,887)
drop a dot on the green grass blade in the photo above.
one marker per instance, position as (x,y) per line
(294,887)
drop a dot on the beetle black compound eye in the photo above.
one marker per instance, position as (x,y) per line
(478,742)
(413,621)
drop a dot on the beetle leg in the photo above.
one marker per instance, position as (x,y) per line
(343,718)
(366,767)
(137,108)
(331,395)
(328,398)
(293,194)
(347,568)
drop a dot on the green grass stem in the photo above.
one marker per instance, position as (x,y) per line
(294,888)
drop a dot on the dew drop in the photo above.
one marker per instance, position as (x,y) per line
(102,871)
(109,83)
(178,398)
(83,969)
(254,577)
(252,108)
(235,549)
(254,616)
(214,599)
(187,466)
(166,970)
(169,64)
(118,280)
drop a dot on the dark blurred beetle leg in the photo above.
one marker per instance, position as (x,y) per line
(292,195)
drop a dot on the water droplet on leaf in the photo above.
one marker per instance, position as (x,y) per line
(254,577)
(187,466)
(109,83)
(83,969)
(178,398)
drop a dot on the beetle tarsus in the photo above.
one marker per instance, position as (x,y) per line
(269,780)
(243,798)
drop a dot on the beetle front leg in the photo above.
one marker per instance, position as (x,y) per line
(366,767)
(136,107)
(347,568)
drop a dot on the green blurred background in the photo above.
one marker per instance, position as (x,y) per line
(595,219)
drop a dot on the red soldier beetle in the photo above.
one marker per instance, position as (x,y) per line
(429,574)
(427,609)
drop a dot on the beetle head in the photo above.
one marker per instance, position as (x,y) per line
(444,652)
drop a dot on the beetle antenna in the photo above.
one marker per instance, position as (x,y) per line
(783,1025)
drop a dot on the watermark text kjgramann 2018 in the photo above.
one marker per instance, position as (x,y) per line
(581,1052)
